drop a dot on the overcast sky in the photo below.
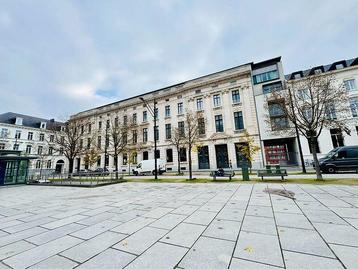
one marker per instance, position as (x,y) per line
(60,57)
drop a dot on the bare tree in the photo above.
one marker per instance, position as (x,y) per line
(191,135)
(67,140)
(177,140)
(311,103)
(132,154)
(117,140)
(248,148)
(91,156)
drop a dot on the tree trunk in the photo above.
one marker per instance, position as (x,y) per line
(178,150)
(116,165)
(190,166)
(313,141)
(70,166)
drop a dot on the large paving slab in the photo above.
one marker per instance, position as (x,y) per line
(151,225)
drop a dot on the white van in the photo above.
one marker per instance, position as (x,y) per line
(148,167)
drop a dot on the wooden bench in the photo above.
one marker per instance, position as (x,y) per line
(228,174)
(269,172)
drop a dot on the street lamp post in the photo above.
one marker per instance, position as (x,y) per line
(105,147)
(154,114)
(298,136)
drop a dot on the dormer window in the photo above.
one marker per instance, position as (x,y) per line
(317,71)
(43,125)
(298,75)
(339,66)
(18,121)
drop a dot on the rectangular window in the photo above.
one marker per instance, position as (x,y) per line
(331,112)
(180,108)
(199,104)
(145,135)
(99,142)
(273,87)
(2,146)
(134,118)
(125,120)
(277,116)
(134,136)
(201,126)
(145,155)
(239,120)
(50,150)
(48,165)
(125,159)
(42,137)
(168,131)
(350,84)
(219,126)
(169,155)
(182,154)
(145,116)
(156,113)
(156,133)
(357,130)
(88,143)
(116,122)
(217,100)
(16,147)
(28,149)
(354,106)
(39,150)
(30,136)
(18,134)
(89,128)
(81,143)
(52,138)
(181,128)
(235,96)
(157,154)
(99,125)
(4,133)
(304,94)
(108,124)
(167,111)
(82,129)
(276,109)
(337,138)
(267,76)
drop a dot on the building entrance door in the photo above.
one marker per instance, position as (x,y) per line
(222,157)
(59,166)
(203,156)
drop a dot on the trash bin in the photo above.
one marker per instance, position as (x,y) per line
(245,172)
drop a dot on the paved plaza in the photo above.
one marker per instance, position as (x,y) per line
(151,225)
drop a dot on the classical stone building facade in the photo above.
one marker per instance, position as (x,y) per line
(34,138)
(231,101)
(226,101)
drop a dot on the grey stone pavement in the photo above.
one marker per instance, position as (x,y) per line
(159,225)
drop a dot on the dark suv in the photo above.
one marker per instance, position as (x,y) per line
(340,159)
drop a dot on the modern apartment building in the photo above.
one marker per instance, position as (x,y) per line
(226,101)
(282,147)
(33,137)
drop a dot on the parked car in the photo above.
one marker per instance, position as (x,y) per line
(340,159)
(82,172)
(148,167)
(101,171)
